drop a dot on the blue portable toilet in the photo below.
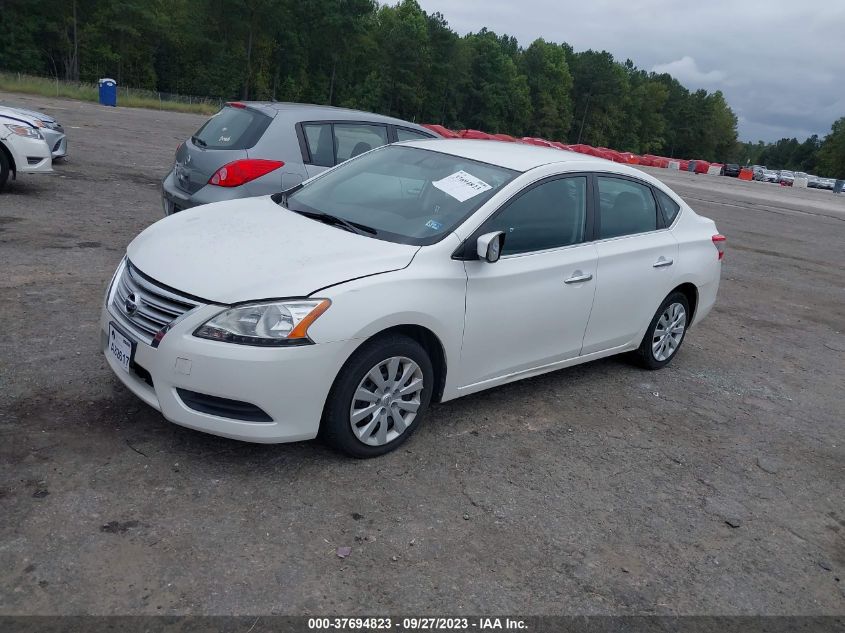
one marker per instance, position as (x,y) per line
(108,92)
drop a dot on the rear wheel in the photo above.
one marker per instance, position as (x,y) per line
(5,168)
(379,397)
(665,333)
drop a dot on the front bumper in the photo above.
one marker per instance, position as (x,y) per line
(31,155)
(290,384)
(57,141)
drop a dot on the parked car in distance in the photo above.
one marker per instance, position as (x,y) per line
(258,148)
(757,172)
(769,175)
(813,182)
(50,128)
(731,169)
(827,183)
(415,273)
(22,147)
(786,177)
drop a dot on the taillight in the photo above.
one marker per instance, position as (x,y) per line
(238,172)
(235,104)
(719,243)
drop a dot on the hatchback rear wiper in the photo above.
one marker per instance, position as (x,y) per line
(328,218)
(198,141)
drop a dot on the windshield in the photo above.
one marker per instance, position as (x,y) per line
(405,194)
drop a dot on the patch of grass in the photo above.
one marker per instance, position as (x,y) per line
(45,87)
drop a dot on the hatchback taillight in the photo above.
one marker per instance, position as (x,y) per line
(719,243)
(242,171)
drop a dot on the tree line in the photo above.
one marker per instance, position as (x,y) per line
(393,59)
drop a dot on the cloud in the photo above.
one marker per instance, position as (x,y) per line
(781,69)
(686,71)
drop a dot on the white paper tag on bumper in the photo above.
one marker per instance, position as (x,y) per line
(461,186)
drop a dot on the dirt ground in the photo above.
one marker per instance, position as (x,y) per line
(716,486)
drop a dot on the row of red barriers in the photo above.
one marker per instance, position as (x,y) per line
(647,160)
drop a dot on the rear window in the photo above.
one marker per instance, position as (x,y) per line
(232,128)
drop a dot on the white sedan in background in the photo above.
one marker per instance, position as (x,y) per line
(22,147)
(415,273)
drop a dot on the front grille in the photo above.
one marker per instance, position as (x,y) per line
(155,306)
(223,407)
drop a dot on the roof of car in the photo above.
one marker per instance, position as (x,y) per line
(517,156)
(307,111)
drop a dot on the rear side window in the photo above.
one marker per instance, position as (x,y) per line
(320,142)
(232,128)
(333,143)
(627,208)
(669,207)
(410,135)
(354,138)
(550,215)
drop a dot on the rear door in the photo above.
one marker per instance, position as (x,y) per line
(636,263)
(224,138)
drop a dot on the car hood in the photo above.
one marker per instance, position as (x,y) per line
(253,249)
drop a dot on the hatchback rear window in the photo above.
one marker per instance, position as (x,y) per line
(232,128)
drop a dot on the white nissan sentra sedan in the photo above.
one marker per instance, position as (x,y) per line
(415,273)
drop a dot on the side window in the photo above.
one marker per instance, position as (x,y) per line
(355,138)
(669,207)
(410,135)
(627,207)
(549,215)
(318,137)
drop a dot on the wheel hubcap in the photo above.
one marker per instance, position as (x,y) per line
(669,332)
(386,401)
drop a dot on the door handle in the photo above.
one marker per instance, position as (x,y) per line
(578,277)
(663,261)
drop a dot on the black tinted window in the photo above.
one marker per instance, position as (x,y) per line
(410,135)
(549,215)
(232,128)
(669,207)
(318,137)
(626,207)
(356,138)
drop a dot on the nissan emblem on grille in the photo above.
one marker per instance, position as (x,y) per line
(131,304)
(144,307)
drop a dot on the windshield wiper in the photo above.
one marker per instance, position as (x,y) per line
(328,218)
(198,141)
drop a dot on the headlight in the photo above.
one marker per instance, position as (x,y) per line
(24,130)
(265,324)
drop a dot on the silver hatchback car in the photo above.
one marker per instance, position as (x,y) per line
(259,148)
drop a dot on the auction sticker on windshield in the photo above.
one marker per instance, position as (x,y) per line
(461,186)
(119,348)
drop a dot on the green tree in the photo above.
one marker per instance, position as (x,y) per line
(550,86)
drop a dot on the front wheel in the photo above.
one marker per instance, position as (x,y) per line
(379,397)
(665,333)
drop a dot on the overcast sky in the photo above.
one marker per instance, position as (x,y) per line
(780,63)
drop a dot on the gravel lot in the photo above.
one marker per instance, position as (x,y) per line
(715,486)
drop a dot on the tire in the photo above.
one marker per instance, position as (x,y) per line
(385,418)
(656,351)
(5,168)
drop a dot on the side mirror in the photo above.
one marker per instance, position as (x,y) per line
(489,246)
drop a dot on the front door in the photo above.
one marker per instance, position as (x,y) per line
(531,307)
